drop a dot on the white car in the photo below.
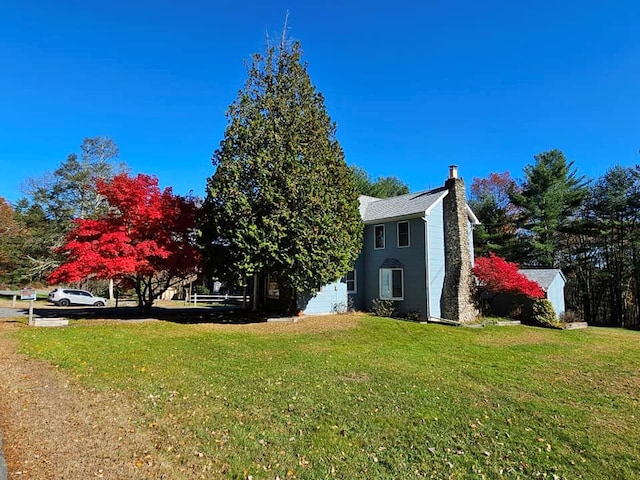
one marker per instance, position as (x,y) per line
(64,297)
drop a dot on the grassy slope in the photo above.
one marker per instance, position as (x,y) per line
(386,399)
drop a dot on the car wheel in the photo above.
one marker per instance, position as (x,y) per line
(64,302)
(98,304)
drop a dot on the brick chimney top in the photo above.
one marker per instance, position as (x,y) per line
(453,171)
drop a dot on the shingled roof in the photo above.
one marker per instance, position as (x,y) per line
(542,276)
(373,209)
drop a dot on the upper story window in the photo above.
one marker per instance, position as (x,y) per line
(403,234)
(351,281)
(378,237)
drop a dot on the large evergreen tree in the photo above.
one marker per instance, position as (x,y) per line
(607,250)
(548,201)
(282,201)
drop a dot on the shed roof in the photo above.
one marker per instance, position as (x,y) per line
(542,276)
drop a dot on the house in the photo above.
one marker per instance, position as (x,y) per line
(418,252)
(552,281)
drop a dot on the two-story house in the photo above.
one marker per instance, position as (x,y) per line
(418,252)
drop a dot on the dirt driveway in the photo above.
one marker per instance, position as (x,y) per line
(54,429)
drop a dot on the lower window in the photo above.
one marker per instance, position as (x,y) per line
(350,279)
(391,284)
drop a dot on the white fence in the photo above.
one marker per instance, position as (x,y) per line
(15,294)
(218,298)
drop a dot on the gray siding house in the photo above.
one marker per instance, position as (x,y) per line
(418,252)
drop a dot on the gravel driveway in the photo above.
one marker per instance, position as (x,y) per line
(13,312)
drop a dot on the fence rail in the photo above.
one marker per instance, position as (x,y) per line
(15,294)
(218,298)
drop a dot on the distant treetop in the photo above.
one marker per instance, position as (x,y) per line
(381,187)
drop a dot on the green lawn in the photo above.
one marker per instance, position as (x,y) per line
(384,399)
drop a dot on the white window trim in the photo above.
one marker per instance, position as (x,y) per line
(408,234)
(355,282)
(380,284)
(384,236)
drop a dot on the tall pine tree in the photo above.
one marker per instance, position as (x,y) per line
(56,199)
(548,201)
(609,276)
(282,201)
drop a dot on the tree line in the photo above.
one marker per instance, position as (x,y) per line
(556,218)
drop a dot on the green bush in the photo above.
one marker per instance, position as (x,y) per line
(201,290)
(350,304)
(569,317)
(340,307)
(543,313)
(413,316)
(383,308)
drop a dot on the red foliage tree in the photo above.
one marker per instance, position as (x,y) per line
(498,187)
(496,275)
(145,240)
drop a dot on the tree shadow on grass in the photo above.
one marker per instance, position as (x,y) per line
(184,315)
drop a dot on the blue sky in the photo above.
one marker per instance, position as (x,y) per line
(412,86)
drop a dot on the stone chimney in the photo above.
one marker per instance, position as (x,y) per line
(457,302)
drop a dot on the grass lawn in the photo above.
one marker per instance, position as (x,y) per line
(367,397)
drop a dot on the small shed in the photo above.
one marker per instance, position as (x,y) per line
(552,281)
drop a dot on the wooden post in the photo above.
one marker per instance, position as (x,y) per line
(255,292)
(31,312)
(244,297)
(13,303)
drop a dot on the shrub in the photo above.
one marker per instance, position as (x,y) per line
(340,307)
(496,275)
(383,308)
(569,317)
(351,304)
(543,313)
(413,316)
(515,312)
(201,290)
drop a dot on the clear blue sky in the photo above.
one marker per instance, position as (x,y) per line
(413,86)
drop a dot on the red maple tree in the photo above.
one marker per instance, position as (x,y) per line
(499,187)
(145,240)
(496,275)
